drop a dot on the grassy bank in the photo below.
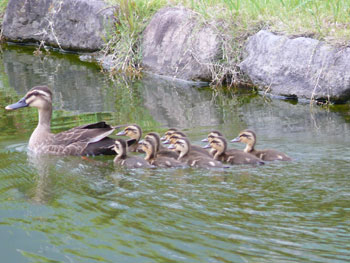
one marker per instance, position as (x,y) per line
(3,4)
(327,20)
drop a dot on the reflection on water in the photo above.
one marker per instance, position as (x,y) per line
(69,209)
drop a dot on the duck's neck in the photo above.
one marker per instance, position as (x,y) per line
(150,155)
(217,154)
(42,131)
(121,155)
(249,147)
(182,154)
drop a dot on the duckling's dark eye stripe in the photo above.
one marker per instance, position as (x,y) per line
(244,135)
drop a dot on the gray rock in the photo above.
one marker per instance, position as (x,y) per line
(301,67)
(67,24)
(177,44)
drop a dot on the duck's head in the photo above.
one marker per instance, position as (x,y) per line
(212,135)
(181,145)
(39,97)
(155,137)
(247,136)
(219,144)
(174,137)
(148,146)
(120,147)
(168,133)
(132,131)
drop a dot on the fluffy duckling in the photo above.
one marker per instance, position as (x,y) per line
(148,146)
(168,133)
(120,147)
(194,148)
(192,158)
(160,149)
(212,135)
(219,145)
(249,138)
(133,132)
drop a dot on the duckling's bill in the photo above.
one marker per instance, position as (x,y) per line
(237,139)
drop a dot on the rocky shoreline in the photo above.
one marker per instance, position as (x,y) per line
(178,44)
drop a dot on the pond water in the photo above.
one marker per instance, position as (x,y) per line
(68,209)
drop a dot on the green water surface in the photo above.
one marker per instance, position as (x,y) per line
(68,209)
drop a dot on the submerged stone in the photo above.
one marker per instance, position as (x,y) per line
(301,67)
(177,44)
(79,25)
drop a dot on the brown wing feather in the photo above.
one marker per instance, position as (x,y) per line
(89,139)
(79,135)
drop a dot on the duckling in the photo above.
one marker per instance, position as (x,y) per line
(240,157)
(213,134)
(88,139)
(148,146)
(194,148)
(134,132)
(219,144)
(168,133)
(161,150)
(192,158)
(249,138)
(122,159)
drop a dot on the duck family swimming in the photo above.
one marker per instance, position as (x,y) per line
(94,139)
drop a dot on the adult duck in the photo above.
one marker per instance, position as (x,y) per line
(89,139)
(249,138)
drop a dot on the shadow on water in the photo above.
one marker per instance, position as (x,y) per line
(69,209)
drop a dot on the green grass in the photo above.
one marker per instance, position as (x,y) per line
(3,4)
(327,20)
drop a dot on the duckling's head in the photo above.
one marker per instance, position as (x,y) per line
(132,131)
(120,147)
(155,137)
(168,133)
(212,135)
(181,145)
(174,137)
(148,146)
(247,136)
(39,97)
(219,144)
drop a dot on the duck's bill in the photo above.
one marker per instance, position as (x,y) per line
(19,104)
(237,139)
(171,146)
(166,142)
(121,133)
(206,146)
(205,140)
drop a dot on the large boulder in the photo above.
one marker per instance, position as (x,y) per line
(78,25)
(177,44)
(298,67)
